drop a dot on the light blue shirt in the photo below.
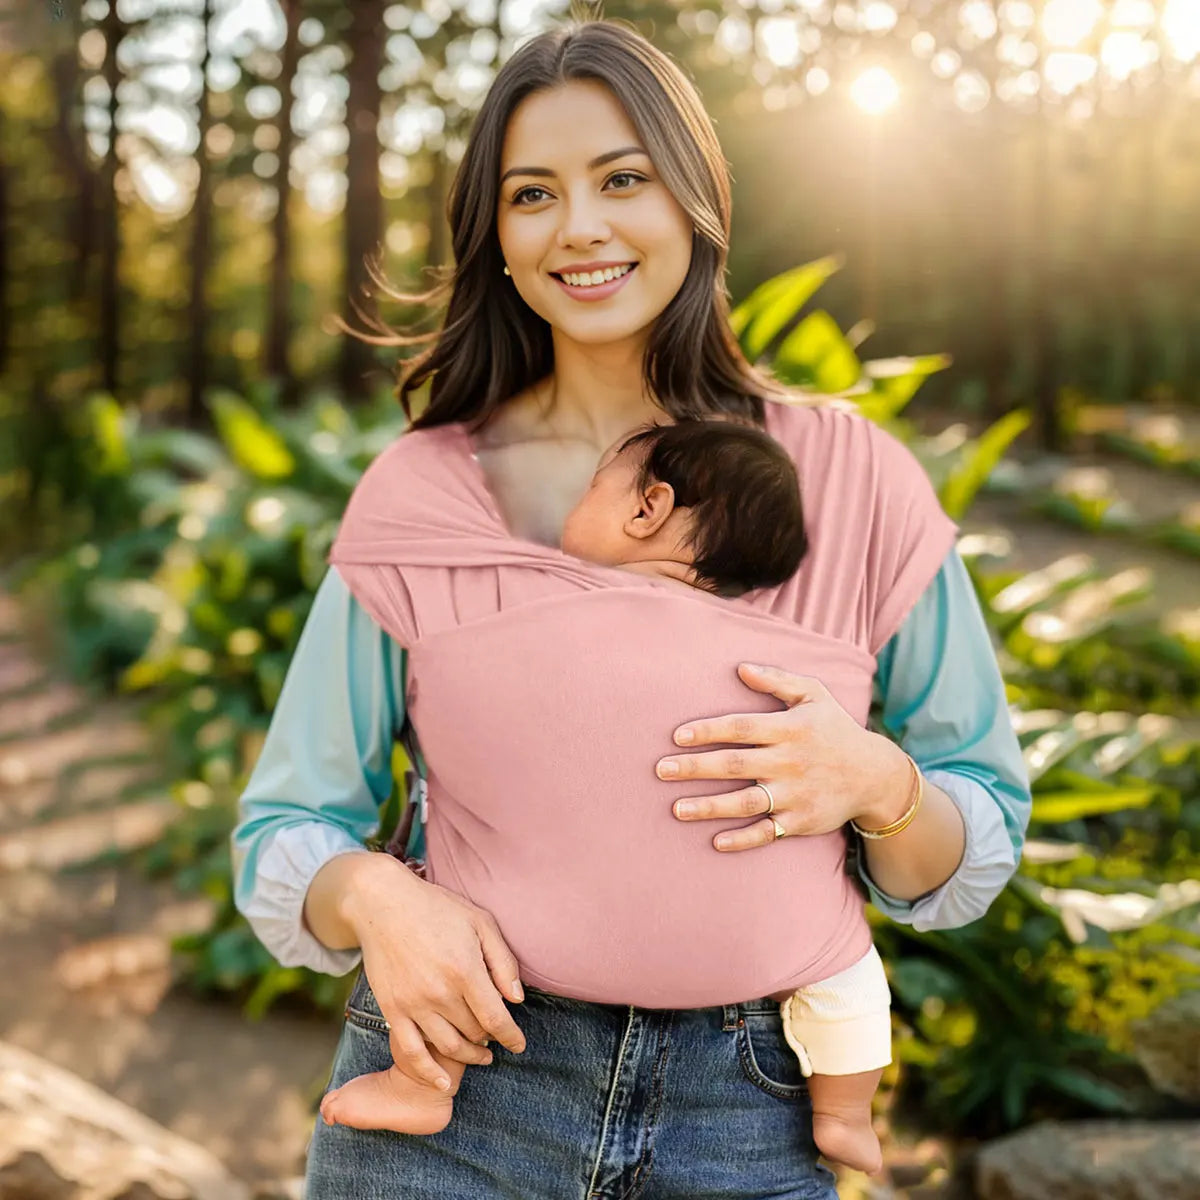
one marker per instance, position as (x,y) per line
(325,769)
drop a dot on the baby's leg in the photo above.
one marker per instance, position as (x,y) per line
(392,1100)
(840,1028)
(842,1119)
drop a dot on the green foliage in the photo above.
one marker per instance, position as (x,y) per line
(193,586)
(1026,1012)
(1071,638)
(188,575)
(962,484)
(773,305)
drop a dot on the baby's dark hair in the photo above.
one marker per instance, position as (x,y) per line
(747,520)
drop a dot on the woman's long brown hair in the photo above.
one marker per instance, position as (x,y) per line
(491,345)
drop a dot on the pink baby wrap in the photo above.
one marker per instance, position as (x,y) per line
(544,689)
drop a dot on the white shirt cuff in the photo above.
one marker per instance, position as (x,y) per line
(988,863)
(286,866)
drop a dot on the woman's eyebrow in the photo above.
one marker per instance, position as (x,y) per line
(598,161)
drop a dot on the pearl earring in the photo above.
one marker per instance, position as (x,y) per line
(507,271)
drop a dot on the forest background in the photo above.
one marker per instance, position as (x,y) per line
(996,200)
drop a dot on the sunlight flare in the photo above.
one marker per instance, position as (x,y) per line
(1181,24)
(875,91)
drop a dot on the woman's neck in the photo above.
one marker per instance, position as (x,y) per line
(595,393)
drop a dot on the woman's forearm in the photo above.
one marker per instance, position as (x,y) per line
(341,891)
(923,856)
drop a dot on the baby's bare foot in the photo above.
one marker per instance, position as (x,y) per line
(389,1100)
(850,1142)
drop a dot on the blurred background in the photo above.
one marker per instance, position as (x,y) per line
(976,220)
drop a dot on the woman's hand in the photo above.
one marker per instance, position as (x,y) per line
(438,966)
(822,767)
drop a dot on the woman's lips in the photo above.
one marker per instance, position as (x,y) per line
(598,291)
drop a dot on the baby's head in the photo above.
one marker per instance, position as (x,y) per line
(720,498)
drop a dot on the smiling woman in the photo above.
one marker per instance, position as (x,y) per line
(590,220)
(595,154)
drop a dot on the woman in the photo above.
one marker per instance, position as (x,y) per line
(590,219)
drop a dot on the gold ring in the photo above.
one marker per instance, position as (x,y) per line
(770,799)
(780,832)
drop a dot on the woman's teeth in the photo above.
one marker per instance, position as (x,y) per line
(591,278)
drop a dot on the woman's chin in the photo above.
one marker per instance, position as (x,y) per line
(605,329)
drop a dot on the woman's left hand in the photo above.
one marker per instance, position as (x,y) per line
(822,767)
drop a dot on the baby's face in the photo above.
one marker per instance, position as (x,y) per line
(594,529)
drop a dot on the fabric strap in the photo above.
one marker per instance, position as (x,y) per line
(408,838)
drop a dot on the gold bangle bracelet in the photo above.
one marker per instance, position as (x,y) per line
(903,822)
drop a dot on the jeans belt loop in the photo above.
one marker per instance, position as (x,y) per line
(731,1017)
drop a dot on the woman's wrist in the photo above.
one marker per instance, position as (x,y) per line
(893,794)
(368,878)
(925,855)
(341,892)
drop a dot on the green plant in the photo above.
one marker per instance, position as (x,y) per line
(189,575)
(1025,1013)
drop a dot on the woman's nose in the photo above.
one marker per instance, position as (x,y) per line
(582,223)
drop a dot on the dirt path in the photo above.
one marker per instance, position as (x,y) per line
(1154,494)
(86,946)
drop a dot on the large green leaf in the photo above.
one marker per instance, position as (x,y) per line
(255,446)
(978,462)
(110,436)
(915,979)
(1082,1085)
(816,354)
(773,305)
(1057,807)
(894,382)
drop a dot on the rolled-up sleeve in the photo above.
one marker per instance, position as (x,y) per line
(942,698)
(323,774)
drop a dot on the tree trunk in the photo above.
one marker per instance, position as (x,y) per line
(197,375)
(999,246)
(439,232)
(364,205)
(1142,259)
(1044,341)
(5,316)
(279,313)
(73,155)
(110,234)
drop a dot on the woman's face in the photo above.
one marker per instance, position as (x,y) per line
(578,193)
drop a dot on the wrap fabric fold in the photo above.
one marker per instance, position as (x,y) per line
(545,688)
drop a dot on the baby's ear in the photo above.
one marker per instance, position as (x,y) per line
(658,503)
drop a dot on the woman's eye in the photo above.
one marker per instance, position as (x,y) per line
(530,195)
(519,197)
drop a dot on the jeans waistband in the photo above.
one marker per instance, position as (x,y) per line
(730,1013)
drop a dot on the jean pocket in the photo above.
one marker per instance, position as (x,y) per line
(767,1059)
(362,1009)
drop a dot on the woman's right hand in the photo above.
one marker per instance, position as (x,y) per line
(437,964)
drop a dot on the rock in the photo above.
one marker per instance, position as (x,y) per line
(1167,1044)
(1093,1160)
(63,1139)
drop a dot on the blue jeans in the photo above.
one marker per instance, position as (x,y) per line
(606,1103)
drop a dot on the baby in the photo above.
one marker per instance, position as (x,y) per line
(714,505)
